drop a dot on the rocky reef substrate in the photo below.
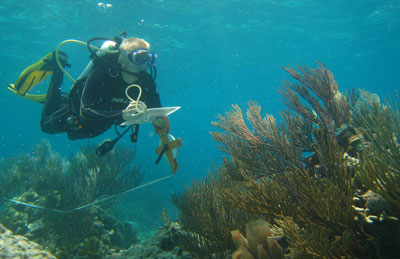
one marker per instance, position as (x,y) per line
(16,246)
(163,244)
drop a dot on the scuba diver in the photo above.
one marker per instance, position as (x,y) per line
(102,96)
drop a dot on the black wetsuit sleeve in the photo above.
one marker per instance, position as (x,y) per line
(94,94)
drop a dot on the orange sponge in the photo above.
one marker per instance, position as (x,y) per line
(257,243)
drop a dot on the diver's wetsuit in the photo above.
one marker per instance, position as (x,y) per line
(94,104)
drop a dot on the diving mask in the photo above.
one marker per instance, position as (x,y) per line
(142,57)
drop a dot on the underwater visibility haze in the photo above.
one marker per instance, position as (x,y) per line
(279,156)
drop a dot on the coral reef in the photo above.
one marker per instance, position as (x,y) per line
(14,246)
(208,217)
(380,172)
(41,170)
(163,244)
(55,189)
(326,174)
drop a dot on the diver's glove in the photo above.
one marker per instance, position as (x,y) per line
(161,125)
(134,109)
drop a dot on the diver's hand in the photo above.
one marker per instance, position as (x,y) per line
(132,110)
(161,124)
(129,113)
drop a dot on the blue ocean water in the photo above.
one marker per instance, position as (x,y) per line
(212,54)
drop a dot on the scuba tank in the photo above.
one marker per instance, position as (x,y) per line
(107,45)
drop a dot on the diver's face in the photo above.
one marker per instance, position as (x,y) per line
(127,64)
